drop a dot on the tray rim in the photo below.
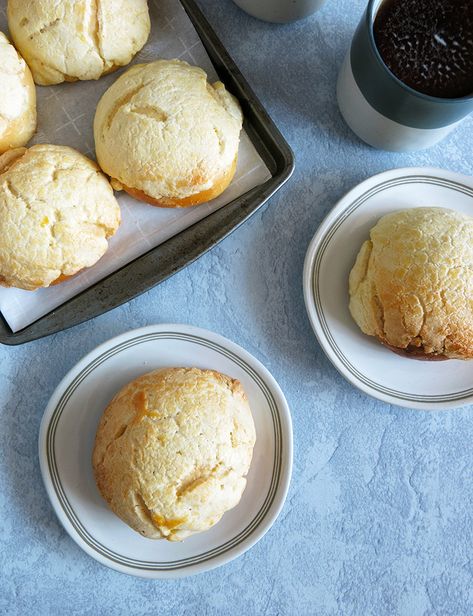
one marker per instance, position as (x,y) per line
(191,243)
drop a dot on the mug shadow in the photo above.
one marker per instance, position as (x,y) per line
(296,89)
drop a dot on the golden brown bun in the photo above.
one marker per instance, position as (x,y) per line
(57,211)
(17,98)
(172,451)
(77,39)
(167,136)
(202,197)
(412,283)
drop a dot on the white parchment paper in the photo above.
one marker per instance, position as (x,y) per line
(65,116)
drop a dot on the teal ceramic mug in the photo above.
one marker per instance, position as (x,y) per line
(380,108)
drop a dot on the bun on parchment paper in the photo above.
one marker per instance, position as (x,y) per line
(75,40)
(17,98)
(166,135)
(57,211)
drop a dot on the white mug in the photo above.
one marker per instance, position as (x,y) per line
(279,11)
(382,110)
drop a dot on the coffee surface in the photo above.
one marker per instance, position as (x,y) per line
(428,44)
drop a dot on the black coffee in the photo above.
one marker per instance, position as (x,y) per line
(428,44)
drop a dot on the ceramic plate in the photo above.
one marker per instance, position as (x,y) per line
(68,431)
(361,359)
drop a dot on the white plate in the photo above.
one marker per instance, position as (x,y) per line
(361,359)
(68,431)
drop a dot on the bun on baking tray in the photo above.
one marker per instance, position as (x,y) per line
(57,211)
(77,39)
(172,451)
(166,135)
(412,283)
(17,98)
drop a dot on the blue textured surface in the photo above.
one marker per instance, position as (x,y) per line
(379,515)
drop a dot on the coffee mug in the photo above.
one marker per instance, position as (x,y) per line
(381,109)
(279,11)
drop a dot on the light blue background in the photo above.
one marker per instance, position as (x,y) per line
(379,516)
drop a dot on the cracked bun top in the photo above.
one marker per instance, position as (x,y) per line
(17,98)
(57,211)
(166,135)
(412,283)
(172,451)
(77,39)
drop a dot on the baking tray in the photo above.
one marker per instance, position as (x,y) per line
(171,256)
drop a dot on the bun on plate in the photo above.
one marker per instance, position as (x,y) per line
(412,283)
(172,451)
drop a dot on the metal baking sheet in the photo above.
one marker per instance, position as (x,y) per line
(169,257)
